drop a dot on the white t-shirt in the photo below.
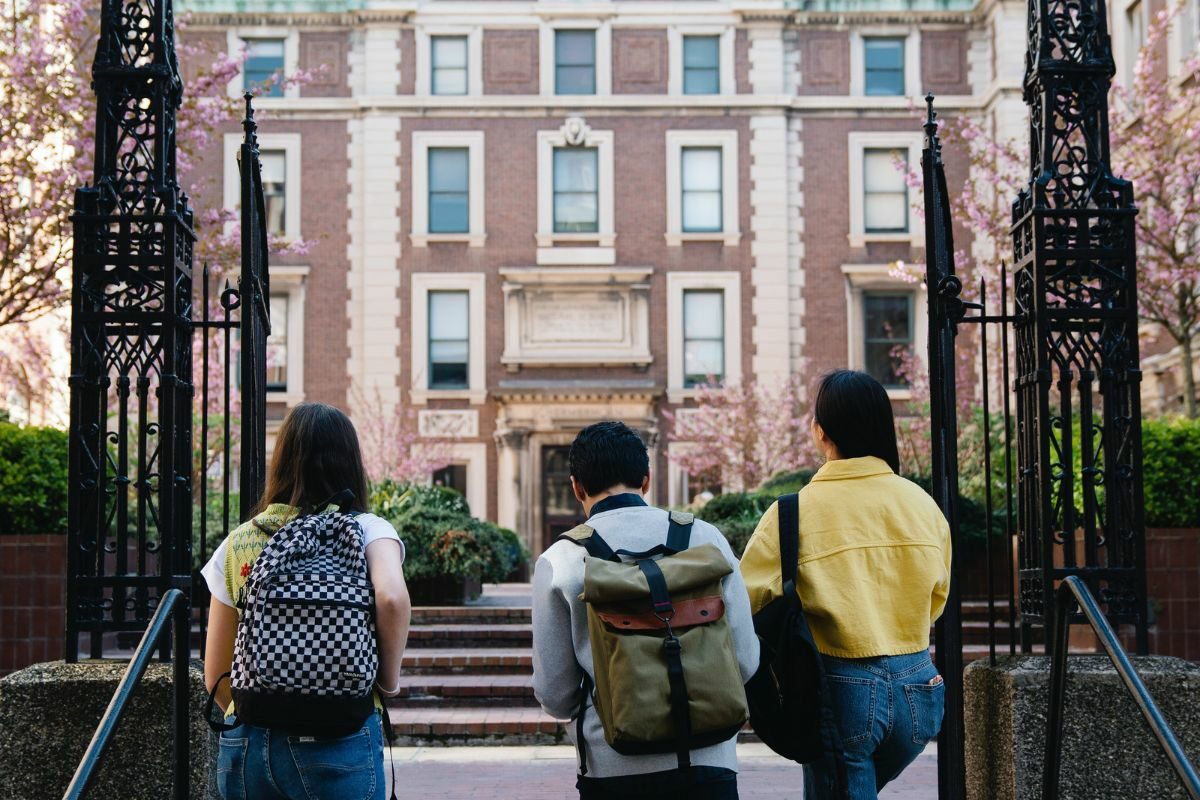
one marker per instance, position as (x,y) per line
(374,528)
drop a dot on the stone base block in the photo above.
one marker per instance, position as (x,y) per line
(1107,748)
(49,712)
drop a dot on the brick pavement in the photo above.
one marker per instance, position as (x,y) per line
(548,773)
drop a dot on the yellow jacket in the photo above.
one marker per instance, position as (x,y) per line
(874,565)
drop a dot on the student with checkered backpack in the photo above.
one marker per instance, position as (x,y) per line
(308,621)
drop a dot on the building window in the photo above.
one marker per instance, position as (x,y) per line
(701,64)
(883,66)
(703,337)
(1135,38)
(448,340)
(448,67)
(277,345)
(574,62)
(263,67)
(888,330)
(576,190)
(700,182)
(274,183)
(449,193)
(885,191)
(452,476)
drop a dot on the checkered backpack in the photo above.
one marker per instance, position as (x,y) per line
(305,655)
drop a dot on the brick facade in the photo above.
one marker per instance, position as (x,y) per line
(787,104)
(32,599)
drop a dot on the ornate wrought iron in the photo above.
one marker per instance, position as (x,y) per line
(1078,403)
(130,508)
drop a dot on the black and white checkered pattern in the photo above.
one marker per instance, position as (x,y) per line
(307,626)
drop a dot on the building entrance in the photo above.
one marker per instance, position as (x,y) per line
(560,510)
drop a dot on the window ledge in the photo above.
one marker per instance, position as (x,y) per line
(422,396)
(471,239)
(681,395)
(286,397)
(899,394)
(863,239)
(727,238)
(597,239)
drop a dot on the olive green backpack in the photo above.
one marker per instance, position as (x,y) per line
(667,677)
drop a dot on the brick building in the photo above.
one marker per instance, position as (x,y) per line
(529,216)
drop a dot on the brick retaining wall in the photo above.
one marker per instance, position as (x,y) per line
(32,599)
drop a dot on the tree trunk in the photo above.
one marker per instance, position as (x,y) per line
(1189,378)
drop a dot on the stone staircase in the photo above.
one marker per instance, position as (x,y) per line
(468,672)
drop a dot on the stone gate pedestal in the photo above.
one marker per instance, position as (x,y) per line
(1108,750)
(49,712)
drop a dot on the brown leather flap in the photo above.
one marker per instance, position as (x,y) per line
(698,611)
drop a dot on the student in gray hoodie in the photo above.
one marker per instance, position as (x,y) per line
(610,474)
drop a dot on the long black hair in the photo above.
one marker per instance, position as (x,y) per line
(316,456)
(856,414)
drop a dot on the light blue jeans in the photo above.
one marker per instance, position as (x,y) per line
(261,764)
(887,710)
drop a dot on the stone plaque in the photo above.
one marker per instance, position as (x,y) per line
(559,318)
(456,424)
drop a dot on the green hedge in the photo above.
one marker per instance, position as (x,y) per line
(33,480)
(441,538)
(1171,466)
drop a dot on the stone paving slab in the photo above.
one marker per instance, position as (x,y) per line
(546,772)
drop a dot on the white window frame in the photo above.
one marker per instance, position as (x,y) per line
(474,36)
(675,35)
(289,143)
(1126,54)
(605,236)
(234,42)
(473,141)
(292,281)
(728,142)
(474,283)
(677,283)
(857,143)
(912,59)
(863,278)
(548,67)
(1178,53)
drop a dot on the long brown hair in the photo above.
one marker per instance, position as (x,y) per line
(316,456)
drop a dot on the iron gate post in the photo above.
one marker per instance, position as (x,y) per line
(1077,383)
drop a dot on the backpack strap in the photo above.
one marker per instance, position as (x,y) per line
(586,537)
(673,652)
(789,541)
(789,560)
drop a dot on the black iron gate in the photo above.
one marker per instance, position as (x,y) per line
(1071,374)
(138,488)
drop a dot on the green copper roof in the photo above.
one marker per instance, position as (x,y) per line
(859,6)
(269,6)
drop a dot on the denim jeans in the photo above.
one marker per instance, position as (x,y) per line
(261,764)
(887,710)
(702,783)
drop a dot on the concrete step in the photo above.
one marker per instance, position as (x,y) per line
(490,635)
(459,660)
(474,726)
(467,690)
(470,615)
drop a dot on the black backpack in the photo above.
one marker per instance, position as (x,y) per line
(790,706)
(305,656)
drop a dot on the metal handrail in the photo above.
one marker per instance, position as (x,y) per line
(1074,591)
(86,772)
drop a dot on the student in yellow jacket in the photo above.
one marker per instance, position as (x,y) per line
(873,574)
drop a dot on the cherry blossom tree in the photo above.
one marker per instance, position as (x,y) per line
(1155,142)
(740,435)
(393,449)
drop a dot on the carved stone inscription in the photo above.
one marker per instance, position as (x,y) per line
(559,318)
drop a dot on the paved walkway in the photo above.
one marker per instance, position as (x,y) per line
(548,773)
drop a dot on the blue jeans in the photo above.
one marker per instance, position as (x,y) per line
(887,710)
(261,764)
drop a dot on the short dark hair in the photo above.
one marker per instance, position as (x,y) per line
(608,454)
(855,412)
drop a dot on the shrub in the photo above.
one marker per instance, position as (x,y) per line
(787,482)
(1171,466)
(33,480)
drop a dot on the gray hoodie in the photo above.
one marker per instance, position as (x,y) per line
(560,634)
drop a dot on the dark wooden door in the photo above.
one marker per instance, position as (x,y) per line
(560,510)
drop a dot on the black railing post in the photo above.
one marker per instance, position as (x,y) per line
(255,292)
